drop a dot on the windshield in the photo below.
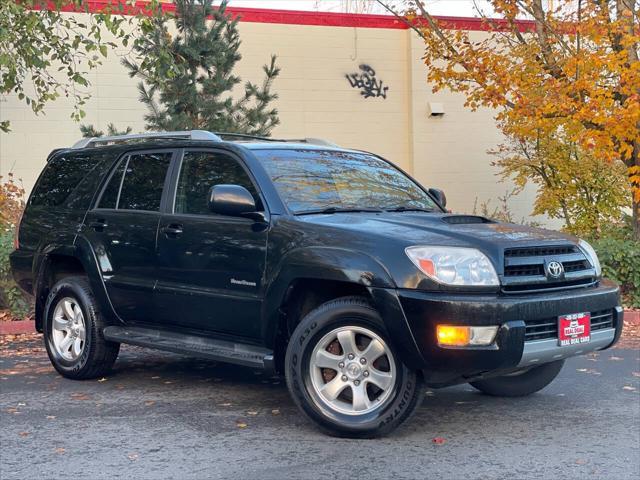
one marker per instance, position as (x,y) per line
(317,180)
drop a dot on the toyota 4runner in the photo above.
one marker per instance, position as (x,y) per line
(328,265)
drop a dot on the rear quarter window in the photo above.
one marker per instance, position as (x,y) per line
(60,178)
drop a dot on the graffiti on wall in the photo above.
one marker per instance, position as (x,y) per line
(367,83)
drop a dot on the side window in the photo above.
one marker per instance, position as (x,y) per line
(143,181)
(60,177)
(141,187)
(202,170)
(110,195)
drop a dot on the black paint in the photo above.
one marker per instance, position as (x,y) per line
(367,83)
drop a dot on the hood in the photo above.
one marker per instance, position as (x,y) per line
(420,228)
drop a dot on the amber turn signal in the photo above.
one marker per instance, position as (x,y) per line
(453,336)
(463,336)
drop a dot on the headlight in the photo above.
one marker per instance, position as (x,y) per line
(592,256)
(454,265)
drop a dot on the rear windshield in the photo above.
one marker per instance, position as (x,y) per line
(309,180)
(60,177)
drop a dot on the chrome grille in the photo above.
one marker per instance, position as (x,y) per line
(524,268)
(545,328)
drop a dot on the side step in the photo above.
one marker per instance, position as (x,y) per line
(221,350)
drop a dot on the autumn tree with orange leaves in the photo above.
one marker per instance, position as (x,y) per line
(572,70)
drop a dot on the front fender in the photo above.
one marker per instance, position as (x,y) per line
(318,263)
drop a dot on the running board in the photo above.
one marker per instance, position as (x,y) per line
(221,350)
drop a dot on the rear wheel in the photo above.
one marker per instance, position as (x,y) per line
(73,331)
(344,374)
(520,384)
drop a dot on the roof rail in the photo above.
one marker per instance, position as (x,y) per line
(189,134)
(246,136)
(311,141)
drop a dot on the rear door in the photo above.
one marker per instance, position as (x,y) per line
(123,228)
(210,266)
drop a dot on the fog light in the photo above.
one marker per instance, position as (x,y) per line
(464,336)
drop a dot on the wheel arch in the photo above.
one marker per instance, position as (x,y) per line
(55,262)
(309,278)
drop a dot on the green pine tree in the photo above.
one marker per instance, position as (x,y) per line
(89,131)
(187,80)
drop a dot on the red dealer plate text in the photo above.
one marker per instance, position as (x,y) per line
(574,329)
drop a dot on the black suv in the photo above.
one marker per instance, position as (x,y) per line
(330,266)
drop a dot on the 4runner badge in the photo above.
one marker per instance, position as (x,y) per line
(243,282)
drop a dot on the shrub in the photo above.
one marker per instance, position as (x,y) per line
(11,207)
(619,255)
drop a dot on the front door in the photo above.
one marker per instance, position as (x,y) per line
(210,266)
(122,229)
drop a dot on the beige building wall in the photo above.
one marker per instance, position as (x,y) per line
(315,100)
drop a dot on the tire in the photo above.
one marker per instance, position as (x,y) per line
(520,385)
(73,331)
(362,408)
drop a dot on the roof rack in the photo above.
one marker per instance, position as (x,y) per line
(189,134)
(311,141)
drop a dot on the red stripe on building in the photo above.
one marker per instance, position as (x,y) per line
(297,17)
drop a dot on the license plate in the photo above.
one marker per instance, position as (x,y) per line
(574,329)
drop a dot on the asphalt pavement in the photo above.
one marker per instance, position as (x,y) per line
(160,415)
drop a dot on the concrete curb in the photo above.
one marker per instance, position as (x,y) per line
(17,327)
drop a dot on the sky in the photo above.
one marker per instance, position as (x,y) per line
(463,8)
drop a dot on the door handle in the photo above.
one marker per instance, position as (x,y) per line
(98,225)
(172,230)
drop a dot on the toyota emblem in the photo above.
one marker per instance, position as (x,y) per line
(555,269)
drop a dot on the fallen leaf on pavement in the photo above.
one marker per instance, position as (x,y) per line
(79,396)
(51,417)
(133,457)
(149,403)
(60,450)
(581,461)
(225,404)
(439,441)
(241,424)
(252,412)
(24,434)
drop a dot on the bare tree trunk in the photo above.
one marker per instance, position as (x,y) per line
(625,9)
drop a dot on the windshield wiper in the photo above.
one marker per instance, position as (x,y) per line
(329,210)
(410,209)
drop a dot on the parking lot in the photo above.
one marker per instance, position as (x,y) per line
(161,415)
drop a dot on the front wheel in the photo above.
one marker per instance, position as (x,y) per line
(343,373)
(520,384)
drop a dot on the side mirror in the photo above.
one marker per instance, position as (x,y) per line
(439,196)
(232,200)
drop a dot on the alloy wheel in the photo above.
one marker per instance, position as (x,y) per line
(352,370)
(68,333)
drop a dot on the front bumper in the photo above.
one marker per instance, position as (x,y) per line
(422,311)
